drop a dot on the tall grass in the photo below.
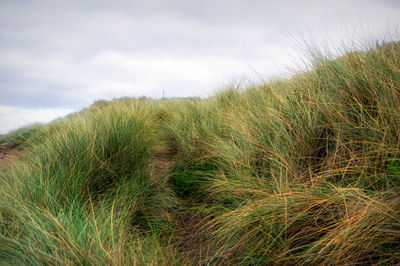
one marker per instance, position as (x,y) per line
(19,139)
(305,170)
(297,171)
(84,195)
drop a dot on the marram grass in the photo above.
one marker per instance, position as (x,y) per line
(297,171)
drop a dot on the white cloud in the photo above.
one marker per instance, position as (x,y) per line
(13,117)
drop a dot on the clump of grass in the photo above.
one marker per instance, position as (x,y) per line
(20,138)
(84,195)
(305,170)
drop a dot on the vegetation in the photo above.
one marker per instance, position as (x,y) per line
(20,138)
(297,171)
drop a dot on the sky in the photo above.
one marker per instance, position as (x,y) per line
(59,56)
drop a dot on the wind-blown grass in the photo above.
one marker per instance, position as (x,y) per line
(84,195)
(297,171)
(19,139)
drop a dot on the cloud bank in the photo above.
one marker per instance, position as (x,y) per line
(63,55)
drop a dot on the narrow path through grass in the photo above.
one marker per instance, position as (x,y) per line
(189,239)
(7,155)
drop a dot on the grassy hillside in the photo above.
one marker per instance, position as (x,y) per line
(305,170)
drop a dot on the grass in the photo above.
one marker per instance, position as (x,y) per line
(20,138)
(298,171)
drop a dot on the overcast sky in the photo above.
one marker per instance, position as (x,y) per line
(59,56)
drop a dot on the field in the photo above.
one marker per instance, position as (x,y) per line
(303,170)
